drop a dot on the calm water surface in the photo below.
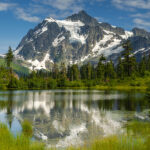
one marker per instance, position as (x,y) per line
(70,117)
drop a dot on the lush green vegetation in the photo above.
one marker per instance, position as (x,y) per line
(137,137)
(19,69)
(21,142)
(127,74)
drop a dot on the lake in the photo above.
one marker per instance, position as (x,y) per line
(71,117)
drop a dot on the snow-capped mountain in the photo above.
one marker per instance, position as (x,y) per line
(78,39)
(2,55)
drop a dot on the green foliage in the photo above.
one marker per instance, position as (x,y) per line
(21,142)
(51,83)
(137,129)
(13,83)
(27,129)
(137,138)
(127,73)
(9,57)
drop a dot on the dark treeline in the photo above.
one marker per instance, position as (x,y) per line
(104,73)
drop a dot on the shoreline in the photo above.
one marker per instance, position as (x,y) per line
(117,87)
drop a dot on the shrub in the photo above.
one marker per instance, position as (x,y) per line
(27,129)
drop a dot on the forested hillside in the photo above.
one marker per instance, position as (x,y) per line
(128,72)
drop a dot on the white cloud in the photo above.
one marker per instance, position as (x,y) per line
(63,5)
(142,23)
(21,14)
(141,15)
(6,6)
(132,4)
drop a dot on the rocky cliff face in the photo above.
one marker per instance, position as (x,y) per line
(78,39)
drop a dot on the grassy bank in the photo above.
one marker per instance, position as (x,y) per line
(137,137)
(21,142)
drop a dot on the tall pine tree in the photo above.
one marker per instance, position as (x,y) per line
(129,60)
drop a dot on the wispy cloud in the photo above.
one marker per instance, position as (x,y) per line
(132,4)
(21,14)
(142,23)
(62,4)
(6,6)
(35,9)
(141,15)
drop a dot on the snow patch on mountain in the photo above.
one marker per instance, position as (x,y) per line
(58,40)
(74,29)
(1,55)
(41,31)
(16,52)
(127,35)
(101,48)
(49,19)
(36,64)
(85,57)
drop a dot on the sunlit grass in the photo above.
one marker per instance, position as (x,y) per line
(137,138)
(21,142)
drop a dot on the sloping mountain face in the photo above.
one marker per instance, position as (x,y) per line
(78,39)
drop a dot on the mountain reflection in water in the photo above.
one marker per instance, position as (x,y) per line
(69,117)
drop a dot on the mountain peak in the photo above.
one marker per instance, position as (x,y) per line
(50,19)
(141,32)
(83,17)
(83,12)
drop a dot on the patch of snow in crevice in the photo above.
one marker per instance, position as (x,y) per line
(16,52)
(85,58)
(127,35)
(41,31)
(58,40)
(49,19)
(40,65)
(29,40)
(74,29)
(140,50)
(110,49)
(113,26)
(109,32)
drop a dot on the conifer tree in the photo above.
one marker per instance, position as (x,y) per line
(75,72)
(148,63)
(110,71)
(129,59)
(89,71)
(55,71)
(120,69)
(83,72)
(142,66)
(101,68)
(63,70)
(9,57)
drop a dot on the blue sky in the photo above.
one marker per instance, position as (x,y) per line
(18,16)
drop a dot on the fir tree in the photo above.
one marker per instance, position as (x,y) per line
(89,71)
(148,63)
(129,60)
(9,57)
(142,66)
(101,68)
(110,71)
(55,71)
(75,72)
(120,69)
